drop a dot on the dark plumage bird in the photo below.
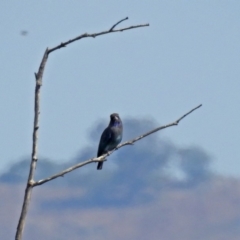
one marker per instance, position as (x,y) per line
(111,137)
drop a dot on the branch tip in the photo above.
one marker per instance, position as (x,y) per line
(124,19)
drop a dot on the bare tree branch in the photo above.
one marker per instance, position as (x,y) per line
(103,157)
(93,35)
(39,76)
(160,128)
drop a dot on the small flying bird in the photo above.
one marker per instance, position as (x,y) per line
(24,33)
(111,137)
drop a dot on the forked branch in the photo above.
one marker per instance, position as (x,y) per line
(93,35)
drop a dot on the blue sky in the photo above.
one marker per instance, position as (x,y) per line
(189,55)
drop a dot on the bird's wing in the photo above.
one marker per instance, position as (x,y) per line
(104,141)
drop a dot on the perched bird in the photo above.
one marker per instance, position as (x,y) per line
(111,137)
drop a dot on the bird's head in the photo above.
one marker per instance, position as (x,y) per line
(115,119)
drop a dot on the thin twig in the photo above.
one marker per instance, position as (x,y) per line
(162,127)
(124,19)
(103,157)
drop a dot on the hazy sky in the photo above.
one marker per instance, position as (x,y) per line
(189,55)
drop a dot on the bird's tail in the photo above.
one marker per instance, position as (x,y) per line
(100,165)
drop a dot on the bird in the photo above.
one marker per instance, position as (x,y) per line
(110,137)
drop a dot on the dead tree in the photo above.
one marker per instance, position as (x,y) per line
(31,183)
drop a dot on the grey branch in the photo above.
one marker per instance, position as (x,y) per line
(29,186)
(93,35)
(39,75)
(103,157)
